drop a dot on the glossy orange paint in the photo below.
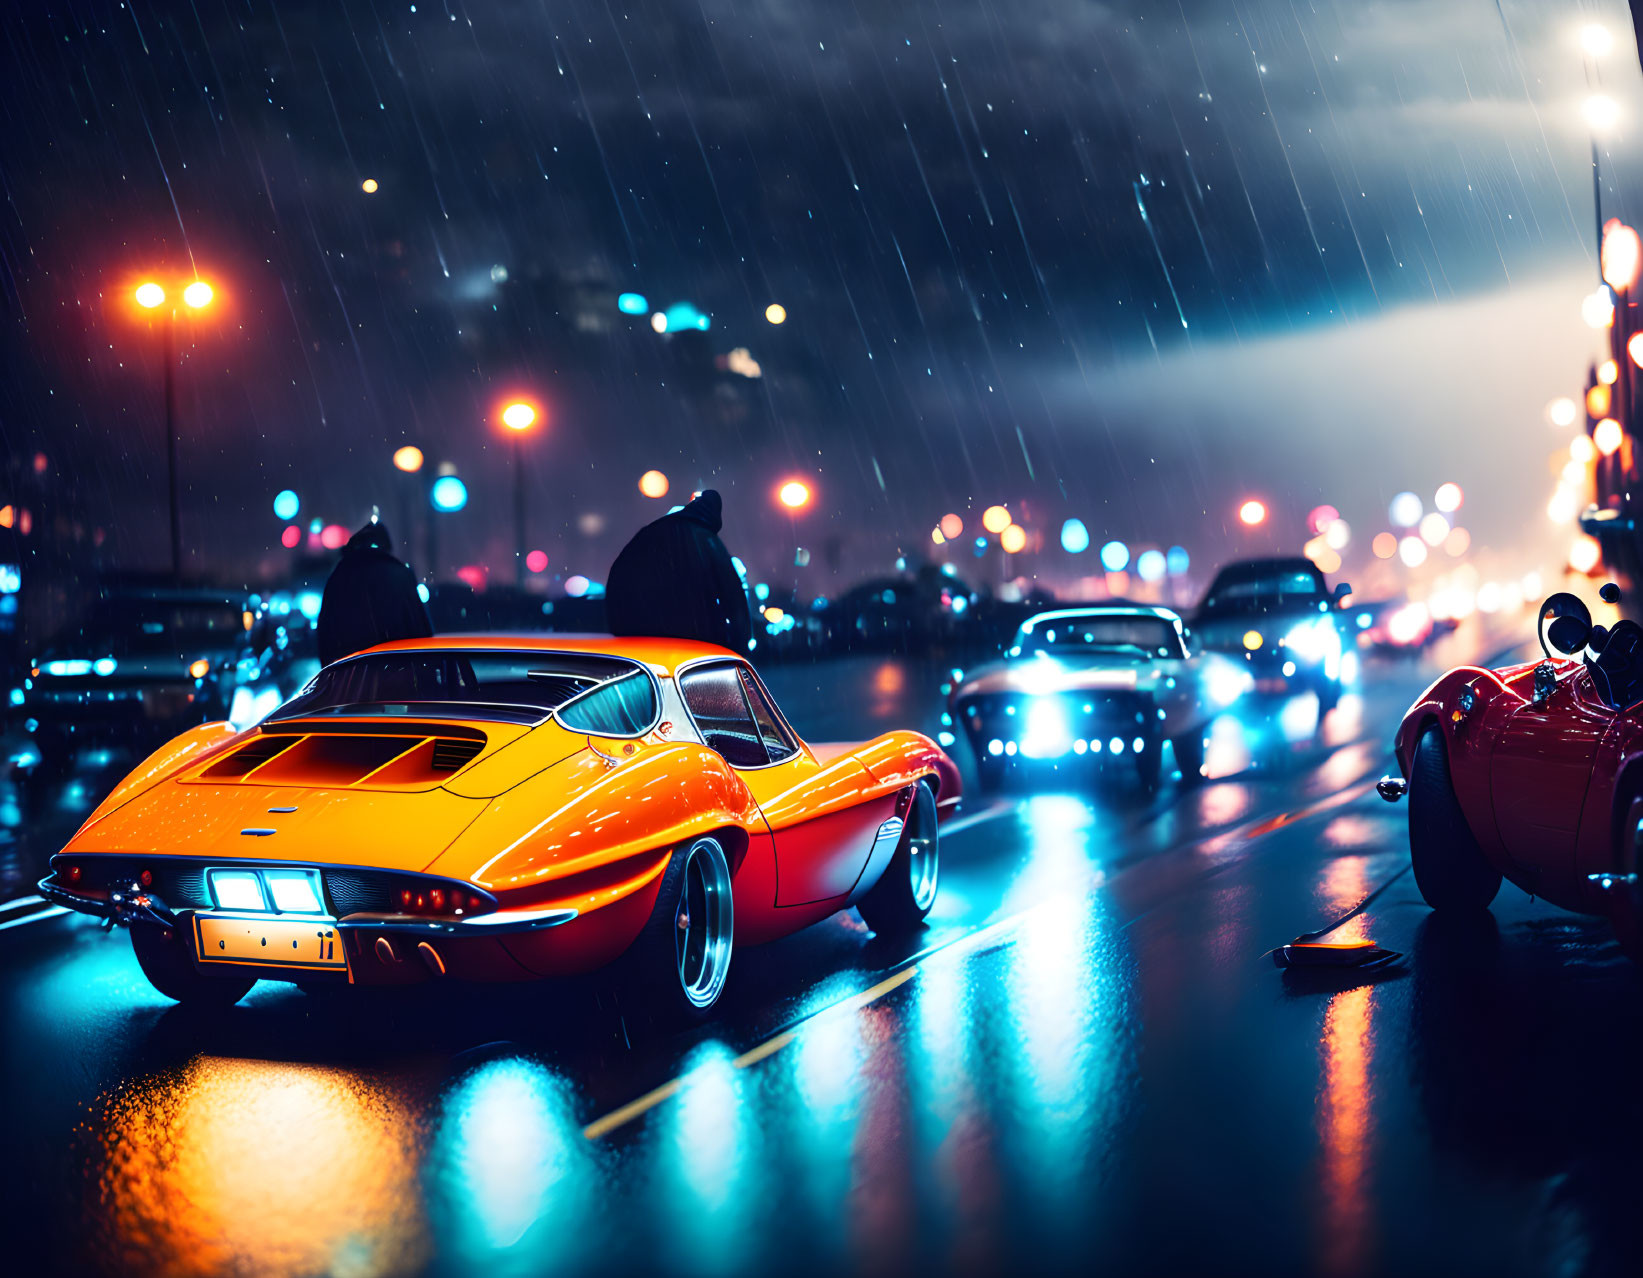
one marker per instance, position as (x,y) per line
(541,817)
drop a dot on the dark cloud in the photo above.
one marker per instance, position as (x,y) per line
(947,197)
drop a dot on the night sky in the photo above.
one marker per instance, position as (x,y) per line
(1128,262)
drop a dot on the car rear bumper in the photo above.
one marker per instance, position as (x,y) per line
(390,949)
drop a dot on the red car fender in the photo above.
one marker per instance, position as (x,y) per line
(903,757)
(1469,736)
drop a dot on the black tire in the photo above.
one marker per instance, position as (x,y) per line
(1189,755)
(991,771)
(1149,764)
(163,954)
(1450,869)
(906,890)
(675,972)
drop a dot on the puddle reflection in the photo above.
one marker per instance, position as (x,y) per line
(248,1167)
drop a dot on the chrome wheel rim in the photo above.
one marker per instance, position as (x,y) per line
(703,923)
(923,852)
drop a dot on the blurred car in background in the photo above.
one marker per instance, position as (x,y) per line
(1393,626)
(1096,684)
(151,662)
(1279,617)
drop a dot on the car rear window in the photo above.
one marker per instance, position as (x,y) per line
(517,687)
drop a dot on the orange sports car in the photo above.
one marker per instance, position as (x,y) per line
(497,808)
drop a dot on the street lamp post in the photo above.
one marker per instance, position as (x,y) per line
(150,296)
(519,417)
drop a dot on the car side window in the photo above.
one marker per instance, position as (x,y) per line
(777,743)
(714,697)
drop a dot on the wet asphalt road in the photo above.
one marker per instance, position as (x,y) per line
(1085,1062)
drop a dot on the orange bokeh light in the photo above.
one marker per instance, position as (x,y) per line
(519,415)
(653,484)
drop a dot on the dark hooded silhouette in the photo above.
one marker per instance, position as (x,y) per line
(370,598)
(675,579)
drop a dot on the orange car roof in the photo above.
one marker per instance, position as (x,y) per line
(664,655)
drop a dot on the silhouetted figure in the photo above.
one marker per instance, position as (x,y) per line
(370,598)
(675,579)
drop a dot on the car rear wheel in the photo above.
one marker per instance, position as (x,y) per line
(163,954)
(905,892)
(677,968)
(1450,868)
(1149,764)
(1189,755)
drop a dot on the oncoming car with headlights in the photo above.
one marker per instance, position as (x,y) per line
(503,808)
(1279,618)
(1098,684)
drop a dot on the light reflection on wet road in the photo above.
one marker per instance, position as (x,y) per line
(1084,1058)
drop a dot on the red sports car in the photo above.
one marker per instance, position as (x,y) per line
(1533,773)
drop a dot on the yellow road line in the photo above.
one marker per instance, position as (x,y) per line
(633,1109)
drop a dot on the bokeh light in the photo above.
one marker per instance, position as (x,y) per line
(995,519)
(653,484)
(519,415)
(448,494)
(408,459)
(1607,436)
(1597,307)
(1619,256)
(1404,510)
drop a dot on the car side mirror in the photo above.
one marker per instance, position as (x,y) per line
(1563,624)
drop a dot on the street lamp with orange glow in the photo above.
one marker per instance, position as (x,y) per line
(151,296)
(519,416)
